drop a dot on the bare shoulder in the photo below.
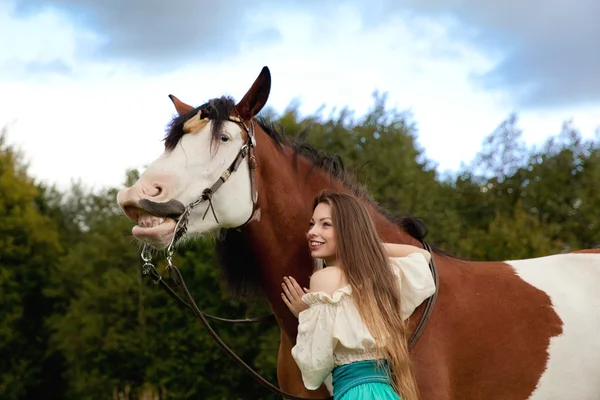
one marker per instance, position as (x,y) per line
(327,280)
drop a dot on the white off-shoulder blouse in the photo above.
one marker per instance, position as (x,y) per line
(331,331)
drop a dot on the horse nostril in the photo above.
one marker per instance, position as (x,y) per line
(152,190)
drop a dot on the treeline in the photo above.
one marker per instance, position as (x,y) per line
(79,321)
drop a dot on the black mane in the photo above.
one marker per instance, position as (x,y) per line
(239,264)
(334,166)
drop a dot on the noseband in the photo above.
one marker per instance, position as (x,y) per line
(247,150)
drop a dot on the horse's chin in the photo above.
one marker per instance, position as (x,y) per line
(158,236)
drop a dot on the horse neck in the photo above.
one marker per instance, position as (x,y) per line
(287,188)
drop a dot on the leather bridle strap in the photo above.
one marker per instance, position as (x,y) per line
(247,150)
(430,301)
(208,192)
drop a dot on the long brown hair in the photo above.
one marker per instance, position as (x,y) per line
(365,266)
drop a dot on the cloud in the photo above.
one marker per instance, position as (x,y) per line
(547,50)
(156,34)
(58,67)
(38,69)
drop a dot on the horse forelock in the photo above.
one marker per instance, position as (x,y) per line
(217,110)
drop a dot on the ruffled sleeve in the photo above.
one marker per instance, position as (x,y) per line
(316,341)
(415,281)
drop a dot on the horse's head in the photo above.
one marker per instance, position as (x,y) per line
(208,160)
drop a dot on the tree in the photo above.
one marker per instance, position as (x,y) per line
(120,333)
(508,236)
(380,149)
(544,195)
(561,188)
(29,245)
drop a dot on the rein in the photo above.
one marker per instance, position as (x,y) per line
(181,227)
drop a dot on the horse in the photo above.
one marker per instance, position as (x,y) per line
(516,329)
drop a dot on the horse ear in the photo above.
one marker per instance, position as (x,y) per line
(255,99)
(180,106)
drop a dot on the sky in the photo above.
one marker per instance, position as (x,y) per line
(84,84)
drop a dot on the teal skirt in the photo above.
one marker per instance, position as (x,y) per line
(362,380)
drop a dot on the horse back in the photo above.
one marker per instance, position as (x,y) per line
(517,329)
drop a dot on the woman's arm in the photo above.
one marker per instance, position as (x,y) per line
(403,250)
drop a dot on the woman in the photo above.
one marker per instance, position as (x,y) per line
(351,320)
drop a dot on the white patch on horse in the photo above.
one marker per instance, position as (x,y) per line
(194,165)
(232,202)
(571,281)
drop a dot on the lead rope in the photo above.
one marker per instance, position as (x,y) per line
(149,269)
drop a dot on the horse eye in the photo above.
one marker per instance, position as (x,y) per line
(224,138)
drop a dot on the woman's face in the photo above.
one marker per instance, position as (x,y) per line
(321,234)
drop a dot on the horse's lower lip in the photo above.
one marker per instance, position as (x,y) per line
(157,236)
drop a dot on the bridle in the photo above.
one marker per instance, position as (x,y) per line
(246,150)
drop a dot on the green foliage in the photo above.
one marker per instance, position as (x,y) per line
(532,201)
(29,243)
(120,333)
(80,321)
(508,236)
(562,189)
